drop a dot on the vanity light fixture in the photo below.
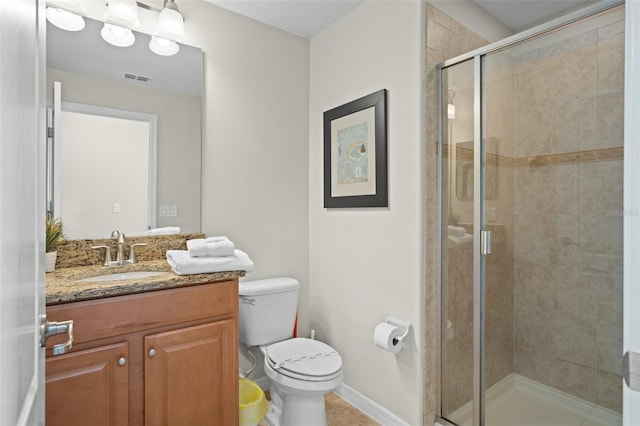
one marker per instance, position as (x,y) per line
(66,14)
(120,16)
(170,22)
(170,28)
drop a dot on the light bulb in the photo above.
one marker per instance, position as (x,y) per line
(163,47)
(117,36)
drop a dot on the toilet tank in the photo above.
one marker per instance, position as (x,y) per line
(267,310)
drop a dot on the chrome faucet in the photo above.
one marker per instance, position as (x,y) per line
(120,260)
(119,236)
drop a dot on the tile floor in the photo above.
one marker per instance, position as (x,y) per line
(341,413)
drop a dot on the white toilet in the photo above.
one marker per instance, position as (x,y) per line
(300,371)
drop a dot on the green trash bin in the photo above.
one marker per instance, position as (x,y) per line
(253,404)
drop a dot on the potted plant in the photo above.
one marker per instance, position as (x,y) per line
(53,238)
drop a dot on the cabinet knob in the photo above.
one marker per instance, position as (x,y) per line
(152,352)
(122,361)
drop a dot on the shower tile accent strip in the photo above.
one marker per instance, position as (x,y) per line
(594,155)
(544,160)
(466,154)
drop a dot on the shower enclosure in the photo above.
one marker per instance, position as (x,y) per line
(531,183)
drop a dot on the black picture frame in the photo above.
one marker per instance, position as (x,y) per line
(356,175)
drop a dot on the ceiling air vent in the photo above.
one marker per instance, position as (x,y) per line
(135,77)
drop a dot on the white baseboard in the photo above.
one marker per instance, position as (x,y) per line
(369,407)
(361,402)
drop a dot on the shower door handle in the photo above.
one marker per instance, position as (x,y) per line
(631,370)
(485,242)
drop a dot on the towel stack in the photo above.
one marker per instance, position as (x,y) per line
(167,230)
(458,236)
(204,256)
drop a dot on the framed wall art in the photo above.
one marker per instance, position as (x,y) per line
(355,153)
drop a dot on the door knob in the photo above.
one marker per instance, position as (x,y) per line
(152,352)
(53,328)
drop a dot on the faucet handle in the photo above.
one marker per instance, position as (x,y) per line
(107,258)
(132,252)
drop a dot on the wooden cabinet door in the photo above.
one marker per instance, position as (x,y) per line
(88,387)
(191,376)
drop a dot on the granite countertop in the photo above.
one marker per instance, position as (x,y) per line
(62,285)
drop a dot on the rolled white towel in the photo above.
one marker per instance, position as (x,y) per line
(167,230)
(183,264)
(212,246)
(456,231)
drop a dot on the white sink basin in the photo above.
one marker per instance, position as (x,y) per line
(123,276)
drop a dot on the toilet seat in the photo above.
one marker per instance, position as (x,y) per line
(304,359)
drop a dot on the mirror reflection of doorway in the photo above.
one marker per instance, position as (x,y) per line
(105,168)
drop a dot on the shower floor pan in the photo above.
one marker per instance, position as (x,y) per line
(517,400)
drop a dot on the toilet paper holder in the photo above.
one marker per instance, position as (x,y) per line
(403,325)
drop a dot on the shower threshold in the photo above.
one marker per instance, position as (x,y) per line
(517,400)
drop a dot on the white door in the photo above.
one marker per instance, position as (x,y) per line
(631,398)
(21,212)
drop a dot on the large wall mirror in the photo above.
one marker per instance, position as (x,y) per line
(127,150)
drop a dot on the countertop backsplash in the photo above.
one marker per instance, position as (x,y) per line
(72,253)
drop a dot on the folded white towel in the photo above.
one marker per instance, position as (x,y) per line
(167,230)
(456,231)
(212,246)
(183,264)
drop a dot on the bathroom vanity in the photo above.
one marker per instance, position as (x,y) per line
(155,350)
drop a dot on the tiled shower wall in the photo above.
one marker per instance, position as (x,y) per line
(568,214)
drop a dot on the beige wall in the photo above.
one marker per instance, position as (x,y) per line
(366,263)
(255,131)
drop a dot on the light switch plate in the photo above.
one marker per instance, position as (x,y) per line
(168,210)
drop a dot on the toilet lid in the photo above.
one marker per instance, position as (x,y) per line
(305,357)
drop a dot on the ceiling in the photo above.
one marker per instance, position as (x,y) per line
(301,17)
(519,15)
(308,17)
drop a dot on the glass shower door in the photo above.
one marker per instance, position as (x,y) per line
(457,206)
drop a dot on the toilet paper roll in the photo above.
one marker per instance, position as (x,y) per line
(385,335)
